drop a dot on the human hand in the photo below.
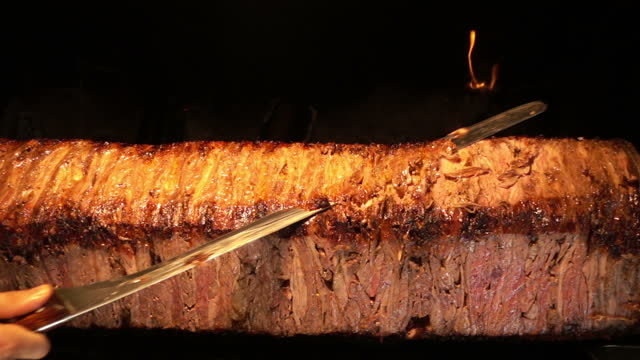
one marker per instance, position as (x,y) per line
(16,342)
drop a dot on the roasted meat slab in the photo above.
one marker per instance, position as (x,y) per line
(511,236)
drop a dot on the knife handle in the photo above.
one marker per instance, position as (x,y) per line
(51,312)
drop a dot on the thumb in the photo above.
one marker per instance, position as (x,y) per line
(17,342)
(15,303)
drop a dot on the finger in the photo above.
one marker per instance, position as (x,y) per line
(14,303)
(17,342)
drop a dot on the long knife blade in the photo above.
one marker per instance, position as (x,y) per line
(68,303)
(466,136)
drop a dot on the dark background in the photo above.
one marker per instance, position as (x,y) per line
(309,71)
(370,73)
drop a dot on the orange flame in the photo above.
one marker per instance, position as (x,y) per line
(474,83)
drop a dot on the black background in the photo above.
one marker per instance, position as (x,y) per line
(371,73)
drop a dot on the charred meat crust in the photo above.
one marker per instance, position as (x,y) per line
(98,194)
(341,225)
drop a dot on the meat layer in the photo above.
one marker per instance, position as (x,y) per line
(511,236)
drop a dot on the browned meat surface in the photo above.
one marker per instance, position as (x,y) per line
(512,236)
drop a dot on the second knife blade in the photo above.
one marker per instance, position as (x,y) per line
(468,135)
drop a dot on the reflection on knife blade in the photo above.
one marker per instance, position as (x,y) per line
(68,303)
(468,135)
